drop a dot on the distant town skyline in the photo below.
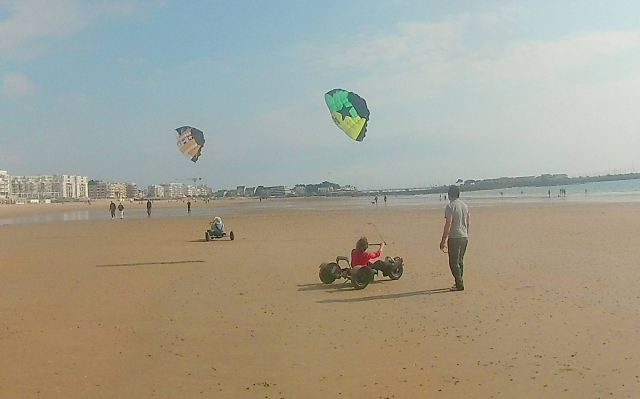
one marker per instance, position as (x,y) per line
(202,182)
(465,89)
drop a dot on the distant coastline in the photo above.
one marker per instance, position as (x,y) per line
(545,180)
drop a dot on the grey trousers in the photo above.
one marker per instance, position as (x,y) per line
(457,248)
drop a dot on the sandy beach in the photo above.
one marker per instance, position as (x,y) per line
(145,308)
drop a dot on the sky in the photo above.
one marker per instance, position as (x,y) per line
(456,89)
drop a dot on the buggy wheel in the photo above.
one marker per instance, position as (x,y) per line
(398,268)
(396,272)
(206,236)
(361,277)
(231,236)
(329,272)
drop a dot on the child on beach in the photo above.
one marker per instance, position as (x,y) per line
(360,256)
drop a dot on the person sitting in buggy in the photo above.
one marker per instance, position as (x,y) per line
(217,228)
(360,257)
(361,270)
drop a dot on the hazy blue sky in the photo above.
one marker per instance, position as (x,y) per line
(456,89)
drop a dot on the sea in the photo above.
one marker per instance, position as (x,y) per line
(621,191)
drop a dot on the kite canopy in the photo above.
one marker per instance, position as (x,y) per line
(190,141)
(349,112)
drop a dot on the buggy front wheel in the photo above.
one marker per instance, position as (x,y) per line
(397,269)
(396,272)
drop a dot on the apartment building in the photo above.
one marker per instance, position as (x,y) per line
(174,190)
(50,186)
(155,191)
(132,190)
(5,184)
(69,186)
(102,190)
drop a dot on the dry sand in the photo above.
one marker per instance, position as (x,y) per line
(143,308)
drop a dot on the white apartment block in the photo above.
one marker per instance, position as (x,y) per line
(72,186)
(50,186)
(155,191)
(204,191)
(190,191)
(173,190)
(5,184)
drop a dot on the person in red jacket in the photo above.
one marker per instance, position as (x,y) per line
(360,256)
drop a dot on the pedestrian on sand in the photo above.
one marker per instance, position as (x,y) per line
(455,235)
(188,206)
(121,209)
(385,200)
(376,199)
(112,209)
(149,205)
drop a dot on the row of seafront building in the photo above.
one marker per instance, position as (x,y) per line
(324,188)
(98,190)
(60,187)
(72,188)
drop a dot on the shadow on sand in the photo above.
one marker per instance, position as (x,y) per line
(388,296)
(214,240)
(178,262)
(344,286)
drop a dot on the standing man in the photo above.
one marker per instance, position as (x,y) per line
(149,207)
(112,209)
(455,235)
(188,206)
(121,209)
(385,200)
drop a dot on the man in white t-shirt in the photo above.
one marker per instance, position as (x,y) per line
(455,235)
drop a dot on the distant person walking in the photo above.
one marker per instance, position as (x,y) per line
(549,193)
(385,200)
(121,210)
(188,206)
(376,199)
(112,209)
(149,205)
(455,235)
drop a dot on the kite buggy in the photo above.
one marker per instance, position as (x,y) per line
(361,276)
(216,231)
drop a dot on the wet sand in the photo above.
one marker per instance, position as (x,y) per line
(19,210)
(144,308)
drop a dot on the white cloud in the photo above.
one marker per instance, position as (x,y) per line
(32,21)
(538,59)
(419,58)
(15,83)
